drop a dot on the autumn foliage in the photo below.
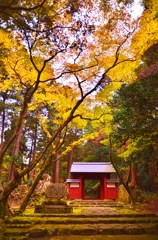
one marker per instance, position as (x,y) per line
(60,64)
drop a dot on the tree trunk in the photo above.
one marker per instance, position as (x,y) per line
(32,188)
(16,149)
(2,202)
(2,126)
(15,152)
(5,192)
(33,149)
(2,129)
(133,175)
(56,169)
(11,171)
(153,176)
(70,160)
(119,175)
(34,185)
(3,207)
(128,173)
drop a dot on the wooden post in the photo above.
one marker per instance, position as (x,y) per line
(81,187)
(105,188)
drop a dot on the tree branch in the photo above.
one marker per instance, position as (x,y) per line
(90,119)
(9,7)
(79,85)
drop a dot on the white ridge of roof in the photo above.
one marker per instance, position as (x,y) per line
(73,180)
(92,167)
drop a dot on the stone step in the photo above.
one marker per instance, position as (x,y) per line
(95,203)
(80,220)
(16,232)
(38,225)
(85,237)
(102,205)
(22,238)
(51,230)
(93,220)
(26,218)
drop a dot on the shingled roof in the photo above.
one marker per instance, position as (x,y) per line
(92,167)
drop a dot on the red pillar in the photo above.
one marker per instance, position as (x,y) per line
(105,188)
(101,188)
(81,187)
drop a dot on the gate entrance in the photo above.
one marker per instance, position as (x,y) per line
(91,188)
(92,180)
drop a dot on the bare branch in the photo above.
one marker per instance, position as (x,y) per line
(79,85)
(30,46)
(91,119)
(119,47)
(70,71)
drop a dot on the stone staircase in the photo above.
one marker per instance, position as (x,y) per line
(89,218)
(96,203)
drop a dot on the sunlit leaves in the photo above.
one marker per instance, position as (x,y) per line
(147,34)
(56,62)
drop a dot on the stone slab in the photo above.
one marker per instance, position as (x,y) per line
(52,209)
(56,191)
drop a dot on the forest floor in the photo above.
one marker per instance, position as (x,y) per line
(150,203)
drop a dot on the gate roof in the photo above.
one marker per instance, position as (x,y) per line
(92,167)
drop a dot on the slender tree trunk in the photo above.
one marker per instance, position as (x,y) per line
(5,192)
(2,131)
(2,206)
(16,149)
(153,176)
(134,175)
(33,149)
(3,114)
(34,185)
(30,174)
(128,172)
(70,160)
(2,128)
(18,176)
(119,175)
(56,169)
(15,152)
(11,171)
(32,188)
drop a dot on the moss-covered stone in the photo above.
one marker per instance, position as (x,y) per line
(54,202)
(37,232)
(89,221)
(123,195)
